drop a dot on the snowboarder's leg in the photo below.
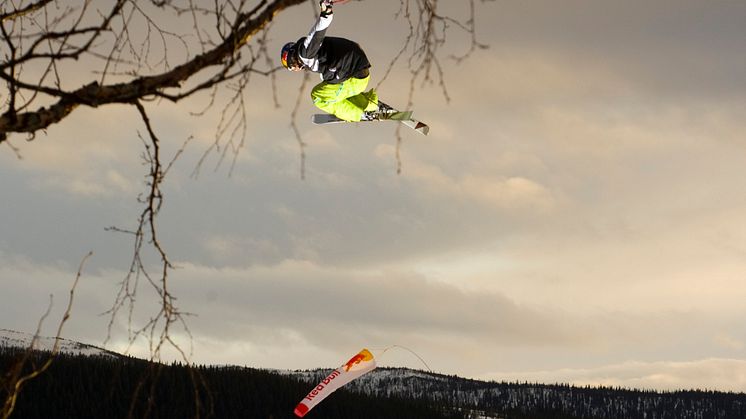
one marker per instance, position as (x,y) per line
(344,100)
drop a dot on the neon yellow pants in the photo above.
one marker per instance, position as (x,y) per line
(345,100)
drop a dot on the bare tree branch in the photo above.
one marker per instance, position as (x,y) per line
(224,54)
(17,13)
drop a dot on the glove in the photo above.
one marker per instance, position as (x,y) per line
(326,7)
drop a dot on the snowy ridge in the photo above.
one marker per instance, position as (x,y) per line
(481,399)
(13,339)
(398,382)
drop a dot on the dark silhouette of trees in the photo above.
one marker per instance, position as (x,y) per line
(79,387)
(84,387)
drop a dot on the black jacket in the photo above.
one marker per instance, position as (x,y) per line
(336,59)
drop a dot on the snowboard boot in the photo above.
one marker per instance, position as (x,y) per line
(382,112)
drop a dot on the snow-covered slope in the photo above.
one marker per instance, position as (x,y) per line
(13,339)
(491,399)
(403,382)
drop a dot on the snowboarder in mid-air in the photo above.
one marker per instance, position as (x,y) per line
(345,72)
(344,69)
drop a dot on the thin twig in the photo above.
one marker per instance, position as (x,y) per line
(16,379)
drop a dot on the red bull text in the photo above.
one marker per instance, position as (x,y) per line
(325,382)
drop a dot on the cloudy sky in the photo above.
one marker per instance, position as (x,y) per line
(576,214)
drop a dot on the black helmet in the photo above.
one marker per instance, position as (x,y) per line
(289,57)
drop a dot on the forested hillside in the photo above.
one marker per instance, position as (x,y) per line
(524,400)
(96,387)
(80,387)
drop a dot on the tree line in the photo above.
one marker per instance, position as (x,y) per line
(113,387)
(95,387)
(557,401)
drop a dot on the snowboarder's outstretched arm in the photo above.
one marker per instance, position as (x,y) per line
(311,45)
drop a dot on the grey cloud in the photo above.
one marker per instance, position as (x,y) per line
(330,305)
(670,50)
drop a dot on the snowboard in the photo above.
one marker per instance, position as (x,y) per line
(405,117)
